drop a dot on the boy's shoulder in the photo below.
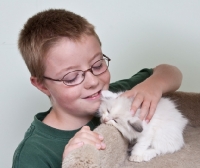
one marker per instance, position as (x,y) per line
(39,148)
(27,151)
(127,84)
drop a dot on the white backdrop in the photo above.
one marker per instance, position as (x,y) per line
(135,34)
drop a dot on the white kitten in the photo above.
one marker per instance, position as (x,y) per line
(164,133)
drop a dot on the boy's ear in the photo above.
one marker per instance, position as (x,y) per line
(39,85)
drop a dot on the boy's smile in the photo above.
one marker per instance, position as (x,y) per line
(74,103)
(94,96)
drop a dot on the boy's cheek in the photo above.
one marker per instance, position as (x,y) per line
(107,82)
(106,87)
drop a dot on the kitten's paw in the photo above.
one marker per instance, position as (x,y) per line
(148,157)
(149,154)
(136,158)
(110,122)
(145,156)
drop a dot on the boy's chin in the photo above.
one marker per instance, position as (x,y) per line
(90,108)
(94,109)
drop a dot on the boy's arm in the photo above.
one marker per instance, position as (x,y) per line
(165,78)
(127,84)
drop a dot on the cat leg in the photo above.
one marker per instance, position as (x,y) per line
(149,154)
(140,148)
(130,146)
(144,143)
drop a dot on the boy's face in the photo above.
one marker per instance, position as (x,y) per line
(81,100)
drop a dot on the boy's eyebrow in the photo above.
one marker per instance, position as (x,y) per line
(73,67)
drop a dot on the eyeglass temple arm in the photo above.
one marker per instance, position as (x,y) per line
(107,57)
(52,79)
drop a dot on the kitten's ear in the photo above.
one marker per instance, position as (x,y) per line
(108,94)
(137,125)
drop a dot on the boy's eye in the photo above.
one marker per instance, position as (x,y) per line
(70,81)
(108,111)
(72,78)
(97,67)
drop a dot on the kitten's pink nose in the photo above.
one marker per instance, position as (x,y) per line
(106,119)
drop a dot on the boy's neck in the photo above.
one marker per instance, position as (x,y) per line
(65,122)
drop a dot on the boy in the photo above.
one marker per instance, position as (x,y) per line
(63,54)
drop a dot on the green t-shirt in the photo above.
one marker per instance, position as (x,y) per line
(43,146)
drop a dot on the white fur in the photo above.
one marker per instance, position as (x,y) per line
(164,133)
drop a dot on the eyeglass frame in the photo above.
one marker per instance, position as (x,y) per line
(90,69)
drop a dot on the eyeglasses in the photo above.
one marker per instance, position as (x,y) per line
(77,77)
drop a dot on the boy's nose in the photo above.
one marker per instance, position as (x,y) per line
(90,80)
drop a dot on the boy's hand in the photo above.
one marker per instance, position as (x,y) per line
(146,96)
(84,136)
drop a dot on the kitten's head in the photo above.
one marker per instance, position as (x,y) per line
(115,110)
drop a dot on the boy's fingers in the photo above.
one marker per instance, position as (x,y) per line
(91,141)
(103,145)
(136,104)
(71,147)
(88,136)
(92,134)
(144,109)
(151,112)
(85,128)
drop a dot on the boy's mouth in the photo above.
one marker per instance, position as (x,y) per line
(93,95)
